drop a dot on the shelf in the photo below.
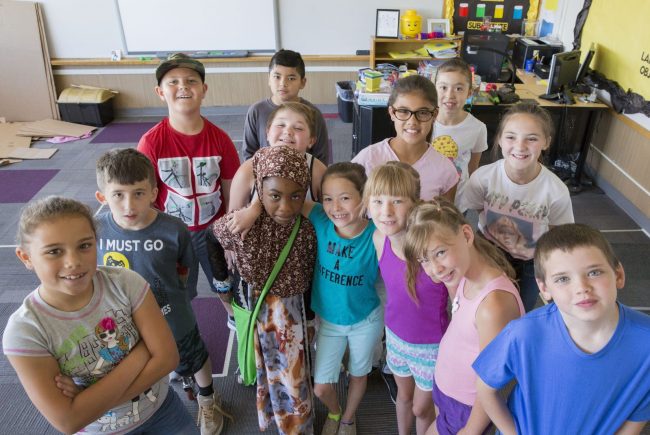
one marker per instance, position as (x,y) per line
(380,47)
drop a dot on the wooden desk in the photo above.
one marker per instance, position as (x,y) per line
(372,124)
(574,124)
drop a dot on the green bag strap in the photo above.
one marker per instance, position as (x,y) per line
(274,273)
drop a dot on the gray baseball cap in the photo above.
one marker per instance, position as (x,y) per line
(179,60)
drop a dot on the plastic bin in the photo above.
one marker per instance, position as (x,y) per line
(89,106)
(344,99)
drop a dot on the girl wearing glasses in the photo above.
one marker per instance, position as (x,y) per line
(413,106)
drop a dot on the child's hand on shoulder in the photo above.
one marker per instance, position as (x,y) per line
(67,386)
(241,221)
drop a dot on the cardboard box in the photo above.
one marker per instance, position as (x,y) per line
(89,106)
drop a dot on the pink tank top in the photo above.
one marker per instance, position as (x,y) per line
(459,347)
(424,323)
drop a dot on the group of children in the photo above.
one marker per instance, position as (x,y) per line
(92,350)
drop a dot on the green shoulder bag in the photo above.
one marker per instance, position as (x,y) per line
(245,320)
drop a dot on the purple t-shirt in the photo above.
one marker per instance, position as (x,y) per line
(422,323)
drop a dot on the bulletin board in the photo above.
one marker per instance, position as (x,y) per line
(508,14)
(622,38)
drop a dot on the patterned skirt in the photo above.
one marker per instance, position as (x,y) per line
(284,393)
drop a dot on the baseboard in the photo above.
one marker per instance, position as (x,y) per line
(635,214)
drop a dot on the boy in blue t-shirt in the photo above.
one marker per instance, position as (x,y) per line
(582,363)
(134,235)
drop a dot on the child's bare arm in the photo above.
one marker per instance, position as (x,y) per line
(631,428)
(67,386)
(450,194)
(317,178)
(474,161)
(66,414)
(497,309)
(241,186)
(307,207)
(495,407)
(226,185)
(242,220)
(158,339)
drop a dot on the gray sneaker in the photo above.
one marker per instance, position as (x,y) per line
(330,427)
(210,417)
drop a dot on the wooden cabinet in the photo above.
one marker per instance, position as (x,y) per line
(381,47)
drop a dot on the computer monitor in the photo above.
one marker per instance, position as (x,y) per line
(486,51)
(584,66)
(563,72)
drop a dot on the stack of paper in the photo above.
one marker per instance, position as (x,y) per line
(402,54)
(441,49)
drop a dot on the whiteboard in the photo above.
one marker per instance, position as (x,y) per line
(340,26)
(149,26)
(92,28)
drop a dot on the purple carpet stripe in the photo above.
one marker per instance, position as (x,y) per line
(211,318)
(19,186)
(330,115)
(123,132)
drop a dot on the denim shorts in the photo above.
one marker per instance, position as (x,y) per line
(334,339)
(172,418)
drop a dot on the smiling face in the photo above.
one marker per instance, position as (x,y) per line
(389,213)
(130,204)
(522,142)
(291,129)
(412,132)
(447,256)
(285,83)
(342,204)
(63,254)
(183,90)
(582,284)
(453,90)
(282,199)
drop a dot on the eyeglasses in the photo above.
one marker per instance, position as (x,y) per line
(422,115)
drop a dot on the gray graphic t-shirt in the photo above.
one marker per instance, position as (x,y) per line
(89,343)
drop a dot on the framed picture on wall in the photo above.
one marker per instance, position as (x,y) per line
(387,25)
(438,25)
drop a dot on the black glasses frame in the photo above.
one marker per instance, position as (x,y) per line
(430,114)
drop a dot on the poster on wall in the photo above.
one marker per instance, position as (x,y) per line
(507,14)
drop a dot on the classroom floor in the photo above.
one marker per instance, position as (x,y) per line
(76,178)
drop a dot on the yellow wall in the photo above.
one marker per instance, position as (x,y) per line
(622,34)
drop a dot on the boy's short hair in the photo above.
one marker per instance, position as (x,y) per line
(288,58)
(179,60)
(124,166)
(566,238)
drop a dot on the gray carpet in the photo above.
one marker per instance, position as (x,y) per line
(376,415)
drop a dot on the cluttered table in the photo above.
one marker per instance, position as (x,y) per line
(574,124)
